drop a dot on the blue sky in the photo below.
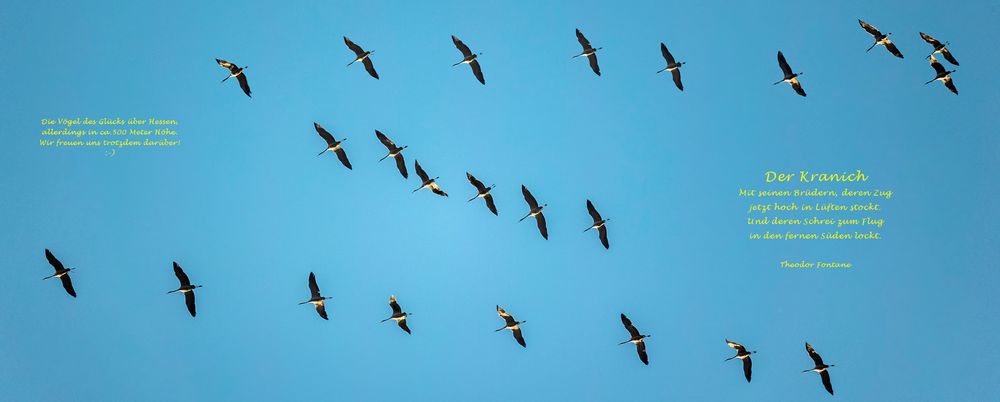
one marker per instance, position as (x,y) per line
(249,210)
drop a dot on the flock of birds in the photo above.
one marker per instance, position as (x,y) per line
(534,208)
(482,191)
(590,52)
(941,74)
(317,299)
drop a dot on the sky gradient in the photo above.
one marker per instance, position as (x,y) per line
(246,207)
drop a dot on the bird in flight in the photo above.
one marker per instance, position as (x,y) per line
(427,181)
(742,354)
(333,145)
(637,339)
(599,224)
(513,325)
(362,56)
(394,152)
(482,192)
(943,75)
(469,58)
(821,368)
(880,39)
(61,272)
(316,299)
(398,314)
(535,211)
(589,51)
(672,66)
(790,77)
(939,48)
(186,288)
(238,72)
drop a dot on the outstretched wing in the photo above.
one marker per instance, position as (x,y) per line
(519,337)
(420,170)
(530,199)
(54,261)
(436,189)
(825,375)
(593,63)
(948,56)
(677,78)
(227,65)
(629,327)
(938,68)
(477,71)
(602,232)
(189,300)
(313,287)
(68,285)
(385,140)
(394,306)
(401,166)
(871,30)
(950,84)
(930,39)
(747,368)
(461,46)
(640,348)
(490,204)
(740,349)
(181,276)
(582,39)
(893,49)
(243,83)
(330,141)
(815,356)
(785,68)
(508,319)
(358,51)
(475,182)
(402,324)
(797,86)
(593,212)
(540,219)
(666,54)
(342,155)
(370,67)
(321,310)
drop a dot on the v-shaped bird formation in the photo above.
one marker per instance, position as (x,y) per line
(319,302)
(598,222)
(590,52)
